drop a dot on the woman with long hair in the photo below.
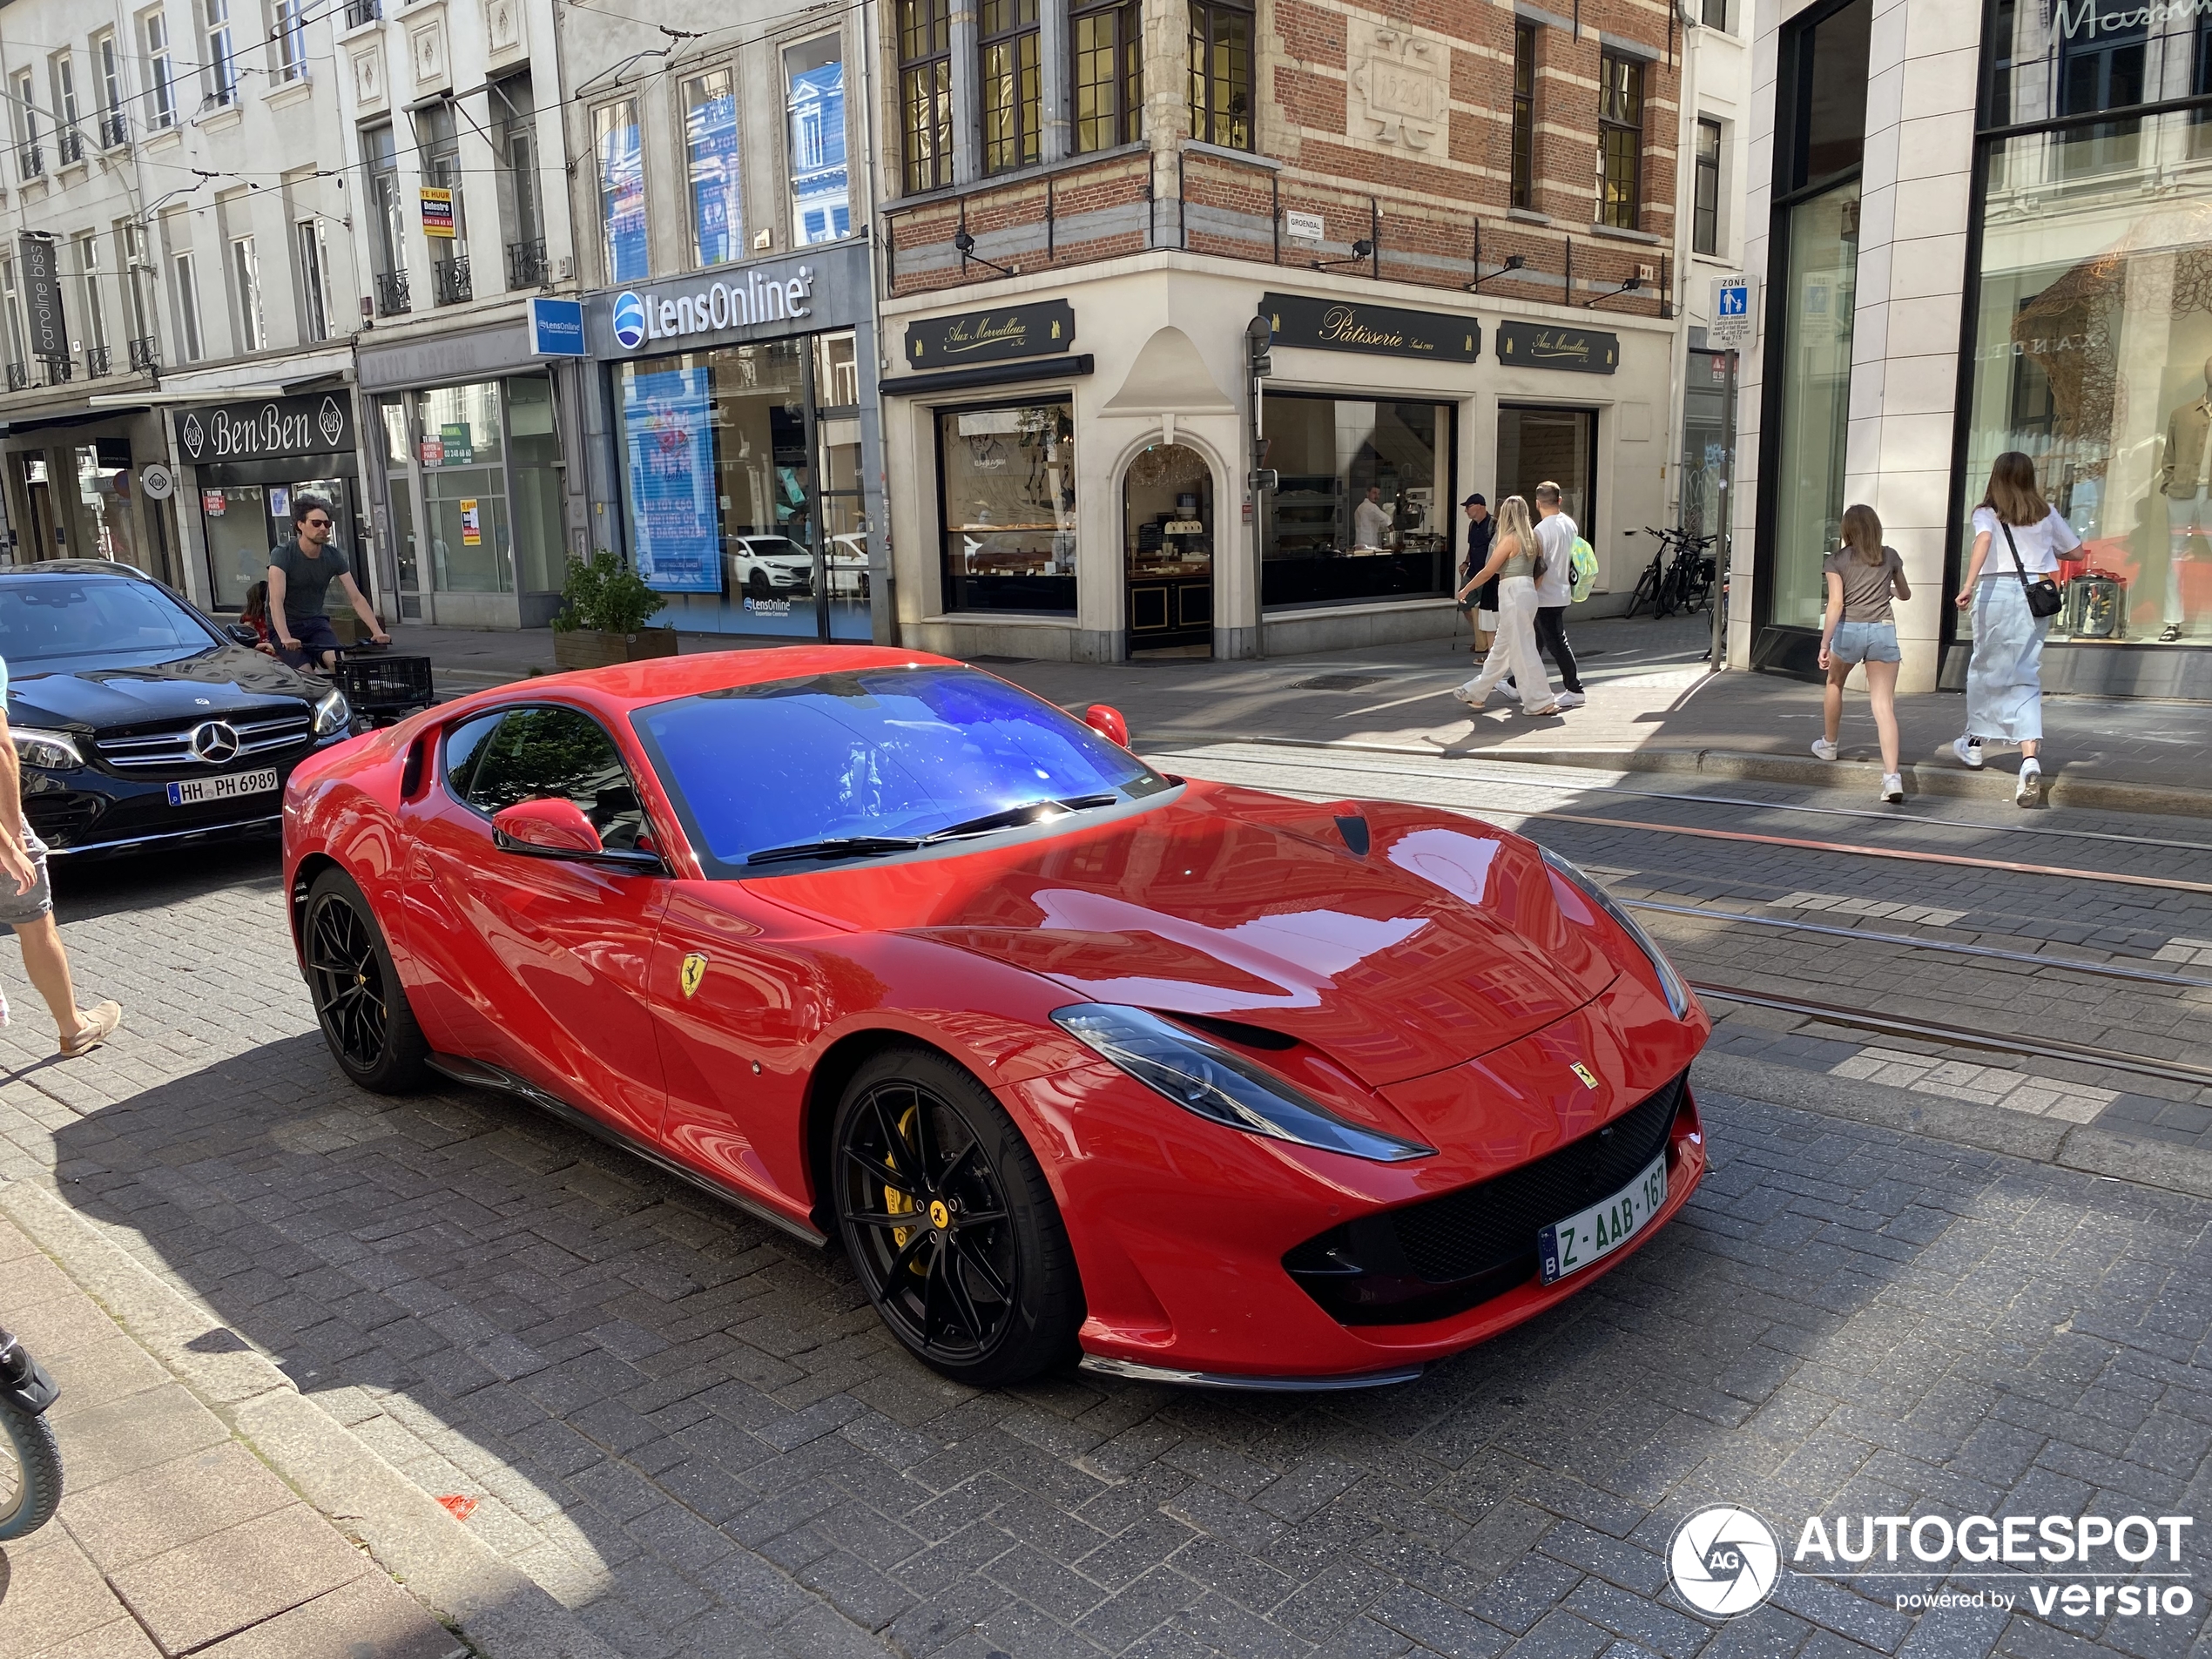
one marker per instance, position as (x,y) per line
(1516,561)
(1863,576)
(255,615)
(2018,539)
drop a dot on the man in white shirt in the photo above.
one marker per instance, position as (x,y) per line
(1371,520)
(1555,535)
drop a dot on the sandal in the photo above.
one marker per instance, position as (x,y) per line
(99,1025)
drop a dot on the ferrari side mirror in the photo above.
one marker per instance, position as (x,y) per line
(551,826)
(1106,720)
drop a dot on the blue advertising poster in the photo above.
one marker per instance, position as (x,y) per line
(672,506)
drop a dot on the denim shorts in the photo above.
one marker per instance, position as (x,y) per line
(21,909)
(1865,642)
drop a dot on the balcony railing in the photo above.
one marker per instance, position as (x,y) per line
(69,144)
(115,131)
(145,355)
(31,161)
(58,370)
(359,13)
(526,264)
(449,284)
(96,362)
(18,376)
(392,299)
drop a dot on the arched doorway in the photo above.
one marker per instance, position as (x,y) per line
(1168,544)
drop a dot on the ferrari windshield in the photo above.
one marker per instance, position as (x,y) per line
(871,761)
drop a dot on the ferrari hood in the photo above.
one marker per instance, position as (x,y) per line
(1437,941)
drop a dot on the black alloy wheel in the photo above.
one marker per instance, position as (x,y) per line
(950,1224)
(359,1000)
(757,584)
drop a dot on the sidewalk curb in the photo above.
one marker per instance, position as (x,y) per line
(2080,1147)
(502,1611)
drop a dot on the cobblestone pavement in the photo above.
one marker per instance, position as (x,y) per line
(697,1432)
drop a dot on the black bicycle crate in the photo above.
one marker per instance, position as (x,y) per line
(374,685)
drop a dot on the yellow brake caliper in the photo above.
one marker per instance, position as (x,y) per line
(898,1204)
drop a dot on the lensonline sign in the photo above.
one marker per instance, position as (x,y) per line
(635,317)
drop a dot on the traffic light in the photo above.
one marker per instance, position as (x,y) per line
(1259,335)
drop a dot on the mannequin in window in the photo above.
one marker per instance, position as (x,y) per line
(2186,481)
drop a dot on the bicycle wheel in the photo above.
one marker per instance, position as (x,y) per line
(30,1471)
(1647,591)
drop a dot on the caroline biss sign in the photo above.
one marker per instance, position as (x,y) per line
(252,428)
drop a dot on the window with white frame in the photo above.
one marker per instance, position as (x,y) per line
(186,286)
(69,142)
(246,279)
(30,156)
(315,287)
(90,310)
(130,261)
(292,40)
(161,104)
(620,148)
(822,200)
(18,355)
(220,60)
(107,63)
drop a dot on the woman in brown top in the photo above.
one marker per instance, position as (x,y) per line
(1862,576)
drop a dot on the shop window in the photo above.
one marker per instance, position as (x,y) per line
(1362,511)
(1107,41)
(1619,137)
(464,489)
(2092,327)
(1820,126)
(1221,74)
(1013,90)
(1541,444)
(621,157)
(534,460)
(1705,194)
(716,186)
(1007,478)
(1524,115)
(926,92)
(821,194)
(105,501)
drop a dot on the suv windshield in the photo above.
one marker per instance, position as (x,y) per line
(893,752)
(93,616)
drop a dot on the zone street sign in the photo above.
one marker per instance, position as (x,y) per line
(1733,326)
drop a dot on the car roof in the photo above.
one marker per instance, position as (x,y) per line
(664,679)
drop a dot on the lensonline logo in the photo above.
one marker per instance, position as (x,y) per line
(628,321)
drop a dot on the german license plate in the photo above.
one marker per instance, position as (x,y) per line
(1570,1245)
(199,790)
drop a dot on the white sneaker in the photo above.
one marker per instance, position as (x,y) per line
(1969,751)
(1570,699)
(1822,749)
(1467,696)
(1893,787)
(2029,793)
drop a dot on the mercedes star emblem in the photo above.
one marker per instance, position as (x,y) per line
(214,742)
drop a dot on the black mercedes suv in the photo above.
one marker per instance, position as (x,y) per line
(139,722)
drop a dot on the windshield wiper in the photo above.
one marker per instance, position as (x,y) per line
(1013,817)
(837,846)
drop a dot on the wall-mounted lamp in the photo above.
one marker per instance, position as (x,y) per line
(966,244)
(1630,287)
(1513,262)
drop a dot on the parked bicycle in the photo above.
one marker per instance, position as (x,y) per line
(1684,583)
(31,1458)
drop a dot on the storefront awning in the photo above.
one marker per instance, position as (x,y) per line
(75,417)
(961,379)
(275,378)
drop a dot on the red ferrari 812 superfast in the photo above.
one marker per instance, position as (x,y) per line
(1073,1056)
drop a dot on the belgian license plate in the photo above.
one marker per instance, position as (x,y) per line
(1570,1245)
(199,790)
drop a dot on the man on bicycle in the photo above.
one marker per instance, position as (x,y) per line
(300,572)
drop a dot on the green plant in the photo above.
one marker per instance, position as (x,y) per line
(605,596)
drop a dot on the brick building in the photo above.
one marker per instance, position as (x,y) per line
(1459,220)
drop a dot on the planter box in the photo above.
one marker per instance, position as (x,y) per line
(587,648)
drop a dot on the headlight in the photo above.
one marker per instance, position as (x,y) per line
(1679,997)
(332,714)
(1206,1079)
(48,751)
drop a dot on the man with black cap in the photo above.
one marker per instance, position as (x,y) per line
(1481,528)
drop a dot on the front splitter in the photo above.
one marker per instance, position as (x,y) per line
(1131,1369)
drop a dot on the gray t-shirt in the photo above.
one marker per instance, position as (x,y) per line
(1555,536)
(307,581)
(1866,587)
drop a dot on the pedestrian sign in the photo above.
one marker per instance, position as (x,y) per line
(1732,327)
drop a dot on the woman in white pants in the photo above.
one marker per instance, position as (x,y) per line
(1514,557)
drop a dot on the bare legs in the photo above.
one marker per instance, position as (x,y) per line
(1881,692)
(47,963)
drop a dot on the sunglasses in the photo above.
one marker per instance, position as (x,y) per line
(317,523)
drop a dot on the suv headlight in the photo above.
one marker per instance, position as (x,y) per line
(332,714)
(1680,999)
(48,751)
(1208,1079)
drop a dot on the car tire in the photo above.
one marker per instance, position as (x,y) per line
(367,1022)
(982,1285)
(758,585)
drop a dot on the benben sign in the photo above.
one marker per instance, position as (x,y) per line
(276,426)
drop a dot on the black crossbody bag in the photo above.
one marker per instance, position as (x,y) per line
(2043,598)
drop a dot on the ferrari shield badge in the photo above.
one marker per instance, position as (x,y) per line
(1588,1077)
(694,971)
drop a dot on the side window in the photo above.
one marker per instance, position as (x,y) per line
(547,751)
(463,743)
